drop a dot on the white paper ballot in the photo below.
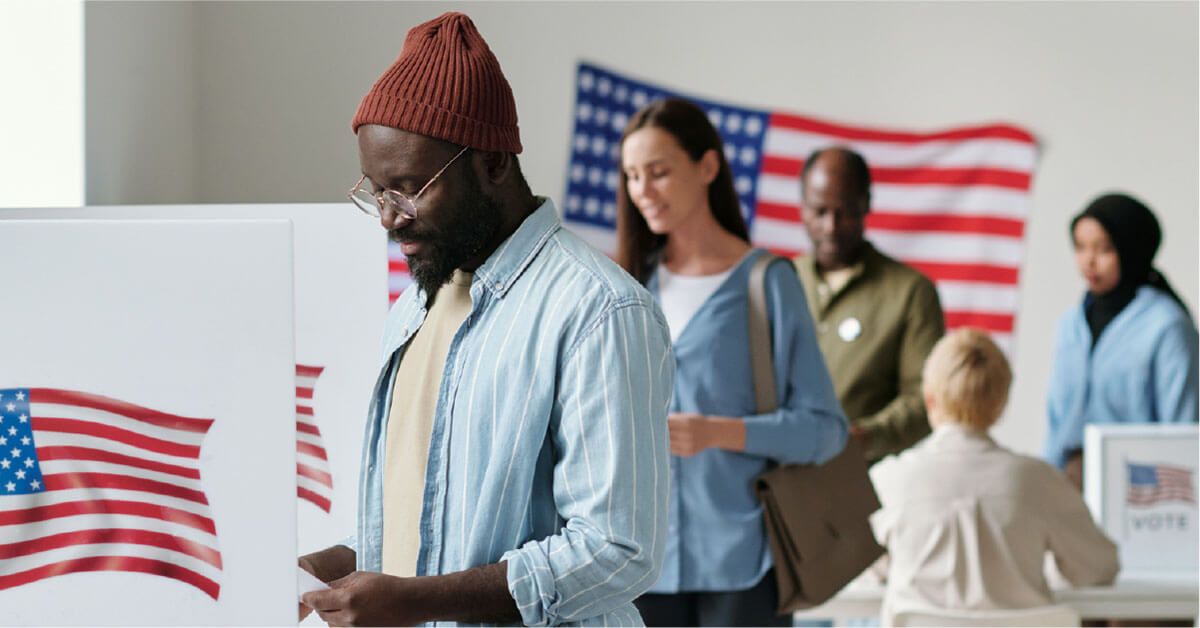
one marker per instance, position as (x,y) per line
(306,582)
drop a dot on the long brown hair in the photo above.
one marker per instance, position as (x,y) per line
(638,248)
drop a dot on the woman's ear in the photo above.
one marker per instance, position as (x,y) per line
(710,165)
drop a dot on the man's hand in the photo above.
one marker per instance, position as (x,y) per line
(366,598)
(327,565)
(693,433)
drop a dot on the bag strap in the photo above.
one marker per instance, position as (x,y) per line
(761,358)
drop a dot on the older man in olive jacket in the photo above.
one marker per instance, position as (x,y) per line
(877,319)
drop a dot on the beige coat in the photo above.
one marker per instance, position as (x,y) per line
(967,525)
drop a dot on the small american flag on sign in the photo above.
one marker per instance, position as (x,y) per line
(951,204)
(313,480)
(90,483)
(1155,483)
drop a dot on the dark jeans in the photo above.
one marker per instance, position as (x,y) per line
(753,607)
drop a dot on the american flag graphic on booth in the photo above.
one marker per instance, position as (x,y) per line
(91,483)
(1156,483)
(313,480)
(952,204)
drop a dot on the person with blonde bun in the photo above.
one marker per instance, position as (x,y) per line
(966,522)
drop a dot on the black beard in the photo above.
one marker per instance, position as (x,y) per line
(462,233)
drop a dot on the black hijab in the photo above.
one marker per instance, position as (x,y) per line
(1135,235)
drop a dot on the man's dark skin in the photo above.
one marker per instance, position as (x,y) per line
(405,161)
(834,209)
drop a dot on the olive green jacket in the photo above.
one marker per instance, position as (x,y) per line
(875,334)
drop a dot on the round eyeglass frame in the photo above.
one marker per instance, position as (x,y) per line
(373,203)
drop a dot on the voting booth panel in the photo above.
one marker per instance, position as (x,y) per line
(1140,484)
(341,301)
(147,475)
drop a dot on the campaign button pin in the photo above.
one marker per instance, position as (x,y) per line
(849,329)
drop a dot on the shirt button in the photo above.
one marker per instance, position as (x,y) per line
(404,332)
(499,286)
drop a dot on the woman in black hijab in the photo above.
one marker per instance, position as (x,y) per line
(1128,352)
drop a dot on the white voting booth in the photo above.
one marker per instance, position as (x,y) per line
(338,268)
(1140,484)
(145,396)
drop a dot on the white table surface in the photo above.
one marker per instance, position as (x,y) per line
(1132,596)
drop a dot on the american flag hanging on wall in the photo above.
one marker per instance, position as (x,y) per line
(952,204)
(90,483)
(314,483)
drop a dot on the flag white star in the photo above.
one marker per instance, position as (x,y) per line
(16,452)
(29,462)
(12,431)
(35,485)
(24,418)
(20,396)
(4,463)
(3,441)
(11,407)
(24,440)
(11,487)
(20,475)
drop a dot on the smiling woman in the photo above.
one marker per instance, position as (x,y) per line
(681,233)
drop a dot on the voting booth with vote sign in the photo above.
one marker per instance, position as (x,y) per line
(1140,484)
(147,467)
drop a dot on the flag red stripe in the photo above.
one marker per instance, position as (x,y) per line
(107,507)
(966,272)
(994,177)
(982,320)
(397,266)
(925,221)
(307,428)
(113,563)
(106,404)
(310,449)
(309,371)
(76,426)
(304,393)
(320,501)
(953,223)
(314,474)
(993,131)
(67,481)
(305,410)
(98,455)
(112,535)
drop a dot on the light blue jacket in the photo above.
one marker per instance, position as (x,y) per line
(549,444)
(716,540)
(1142,370)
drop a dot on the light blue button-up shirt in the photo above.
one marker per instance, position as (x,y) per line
(549,445)
(1143,369)
(716,539)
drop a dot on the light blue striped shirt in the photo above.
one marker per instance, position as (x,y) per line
(549,445)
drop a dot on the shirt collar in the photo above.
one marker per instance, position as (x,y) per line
(510,259)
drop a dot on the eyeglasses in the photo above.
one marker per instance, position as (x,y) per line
(373,203)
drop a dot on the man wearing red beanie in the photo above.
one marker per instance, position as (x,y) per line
(515,457)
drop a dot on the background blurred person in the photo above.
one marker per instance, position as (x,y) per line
(681,233)
(966,522)
(1128,352)
(876,317)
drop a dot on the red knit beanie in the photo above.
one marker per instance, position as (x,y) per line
(447,84)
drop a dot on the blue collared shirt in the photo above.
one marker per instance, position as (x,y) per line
(1143,369)
(716,540)
(549,445)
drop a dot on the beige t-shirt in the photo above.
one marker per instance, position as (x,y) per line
(410,423)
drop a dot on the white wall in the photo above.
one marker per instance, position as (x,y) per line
(41,103)
(1110,89)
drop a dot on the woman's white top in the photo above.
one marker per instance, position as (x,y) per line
(682,295)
